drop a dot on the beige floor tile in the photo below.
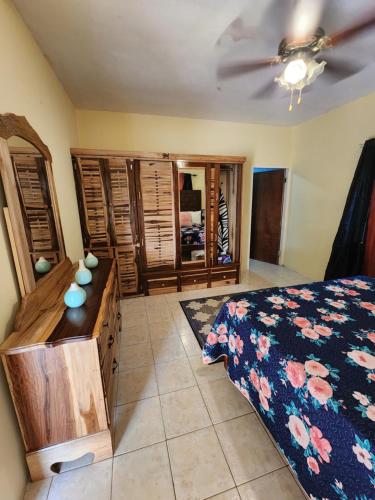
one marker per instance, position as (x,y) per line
(133,305)
(155,300)
(227,495)
(143,475)
(183,411)
(224,401)
(168,349)
(85,483)
(248,449)
(136,384)
(37,490)
(133,318)
(206,373)
(279,484)
(174,376)
(162,329)
(178,313)
(138,425)
(198,465)
(134,356)
(157,313)
(132,335)
(191,345)
(183,328)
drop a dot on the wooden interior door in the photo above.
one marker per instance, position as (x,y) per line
(266,216)
(156,214)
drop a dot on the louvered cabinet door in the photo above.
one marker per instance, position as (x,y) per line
(213,182)
(124,223)
(156,214)
(32,185)
(93,203)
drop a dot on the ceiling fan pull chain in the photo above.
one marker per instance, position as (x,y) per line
(291,100)
(300,96)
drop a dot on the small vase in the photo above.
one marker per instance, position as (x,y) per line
(83,275)
(91,261)
(75,296)
(42,265)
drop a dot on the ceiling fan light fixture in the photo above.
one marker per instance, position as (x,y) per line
(295,71)
(296,77)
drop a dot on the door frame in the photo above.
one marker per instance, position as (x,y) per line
(284,209)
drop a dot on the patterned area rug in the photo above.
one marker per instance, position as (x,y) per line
(201,314)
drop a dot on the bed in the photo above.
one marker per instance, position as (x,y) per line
(304,357)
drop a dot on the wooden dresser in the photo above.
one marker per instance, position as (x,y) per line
(61,366)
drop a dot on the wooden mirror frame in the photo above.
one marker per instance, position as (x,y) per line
(13,125)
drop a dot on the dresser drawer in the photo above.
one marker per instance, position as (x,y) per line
(109,367)
(194,281)
(162,285)
(223,278)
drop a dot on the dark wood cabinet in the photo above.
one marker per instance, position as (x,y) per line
(130,206)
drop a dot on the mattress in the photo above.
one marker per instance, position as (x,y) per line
(304,356)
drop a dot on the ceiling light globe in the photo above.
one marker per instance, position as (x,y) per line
(295,71)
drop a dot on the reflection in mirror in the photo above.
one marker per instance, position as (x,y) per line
(192,189)
(32,182)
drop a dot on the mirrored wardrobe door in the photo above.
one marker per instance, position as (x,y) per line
(192,196)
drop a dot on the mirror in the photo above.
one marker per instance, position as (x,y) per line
(30,211)
(192,210)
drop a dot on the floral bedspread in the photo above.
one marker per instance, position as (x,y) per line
(304,356)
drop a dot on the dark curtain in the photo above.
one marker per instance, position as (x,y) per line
(349,244)
(369,257)
(185,182)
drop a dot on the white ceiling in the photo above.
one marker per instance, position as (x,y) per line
(160,56)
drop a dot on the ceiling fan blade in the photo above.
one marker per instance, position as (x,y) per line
(340,69)
(266,91)
(305,18)
(355,29)
(241,68)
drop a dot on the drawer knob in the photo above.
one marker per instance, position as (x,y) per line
(114,365)
(195,281)
(163,284)
(224,276)
(118,315)
(110,341)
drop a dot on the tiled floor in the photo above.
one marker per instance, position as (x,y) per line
(178,422)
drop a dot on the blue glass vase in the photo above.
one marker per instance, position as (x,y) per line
(83,275)
(42,265)
(91,261)
(75,296)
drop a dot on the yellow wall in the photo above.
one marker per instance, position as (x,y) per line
(29,87)
(262,145)
(325,155)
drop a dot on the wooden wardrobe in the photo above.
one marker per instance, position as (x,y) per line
(130,209)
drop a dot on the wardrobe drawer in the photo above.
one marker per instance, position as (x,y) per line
(162,285)
(194,281)
(223,278)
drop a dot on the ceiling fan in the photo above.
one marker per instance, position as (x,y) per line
(300,51)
